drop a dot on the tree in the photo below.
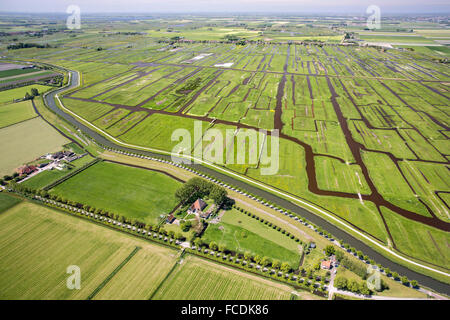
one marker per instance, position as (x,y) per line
(179,236)
(353,286)
(218,194)
(330,250)
(247,255)
(222,248)
(257,258)
(364,289)
(340,283)
(265,261)
(213,246)
(194,188)
(285,267)
(186,226)
(339,255)
(414,283)
(276,264)
(34,92)
(405,280)
(198,242)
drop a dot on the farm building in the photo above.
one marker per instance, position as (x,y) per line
(198,206)
(26,170)
(326,265)
(170,218)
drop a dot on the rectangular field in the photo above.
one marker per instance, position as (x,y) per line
(25,141)
(39,245)
(16,112)
(19,93)
(131,192)
(198,279)
(239,232)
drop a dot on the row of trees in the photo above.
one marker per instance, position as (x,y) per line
(30,96)
(22,45)
(352,285)
(270,224)
(264,261)
(104,213)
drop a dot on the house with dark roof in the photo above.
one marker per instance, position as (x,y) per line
(170,218)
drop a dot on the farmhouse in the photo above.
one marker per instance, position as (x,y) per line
(198,206)
(326,265)
(26,170)
(170,218)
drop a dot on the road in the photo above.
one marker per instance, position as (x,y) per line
(312,217)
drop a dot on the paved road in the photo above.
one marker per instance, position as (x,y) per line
(319,221)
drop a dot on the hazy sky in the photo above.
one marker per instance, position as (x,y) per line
(290,6)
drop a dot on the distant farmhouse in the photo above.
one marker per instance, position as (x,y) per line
(26,170)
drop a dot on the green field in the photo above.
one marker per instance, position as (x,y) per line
(197,279)
(15,72)
(40,244)
(241,233)
(360,126)
(413,239)
(25,141)
(134,193)
(9,96)
(7,201)
(16,112)
(140,277)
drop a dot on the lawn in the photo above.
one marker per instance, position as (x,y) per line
(198,279)
(25,141)
(16,112)
(239,232)
(132,192)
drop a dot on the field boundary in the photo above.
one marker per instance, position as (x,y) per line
(71,174)
(21,121)
(112,274)
(175,265)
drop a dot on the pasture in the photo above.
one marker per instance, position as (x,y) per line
(198,279)
(40,243)
(25,141)
(9,96)
(16,112)
(131,192)
(353,120)
(241,233)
